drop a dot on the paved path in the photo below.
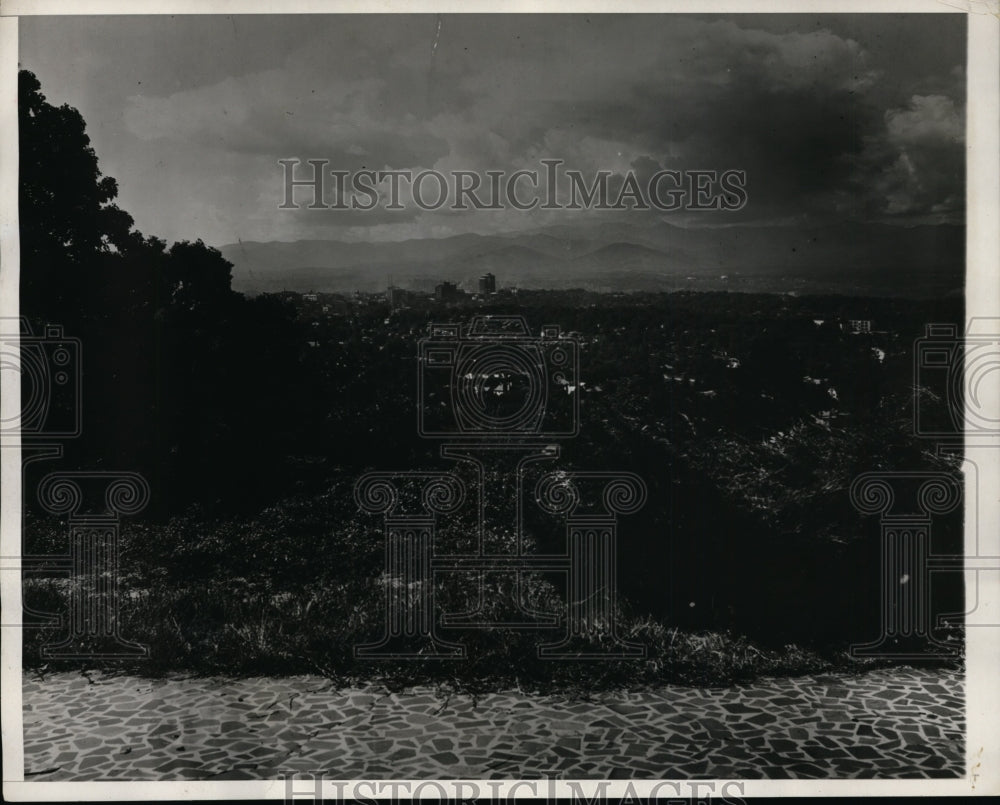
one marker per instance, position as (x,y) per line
(888,723)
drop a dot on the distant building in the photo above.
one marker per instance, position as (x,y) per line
(487,284)
(447,292)
(860,325)
(335,306)
(400,297)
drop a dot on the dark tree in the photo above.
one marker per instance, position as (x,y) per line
(69,221)
(174,361)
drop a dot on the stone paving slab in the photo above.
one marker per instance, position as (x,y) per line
(883,724)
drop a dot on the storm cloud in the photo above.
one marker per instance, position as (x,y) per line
(831,116)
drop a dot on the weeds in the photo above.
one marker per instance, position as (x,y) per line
(297,588)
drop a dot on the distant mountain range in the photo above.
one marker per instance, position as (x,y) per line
(855,259)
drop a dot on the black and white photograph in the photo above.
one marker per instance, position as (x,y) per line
(416,403)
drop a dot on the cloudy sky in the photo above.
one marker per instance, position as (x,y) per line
(833,117)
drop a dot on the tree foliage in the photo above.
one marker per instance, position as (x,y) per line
(69,220)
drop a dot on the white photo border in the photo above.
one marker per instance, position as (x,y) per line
(982,299)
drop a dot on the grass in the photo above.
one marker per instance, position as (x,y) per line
(245,628)
(296,588)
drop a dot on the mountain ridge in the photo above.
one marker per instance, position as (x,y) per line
(874,259)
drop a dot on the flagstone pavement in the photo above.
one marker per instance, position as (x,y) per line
(890,723)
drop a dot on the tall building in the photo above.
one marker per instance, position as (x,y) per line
(447,291)
(394,296)
(397,297)
(487,284)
